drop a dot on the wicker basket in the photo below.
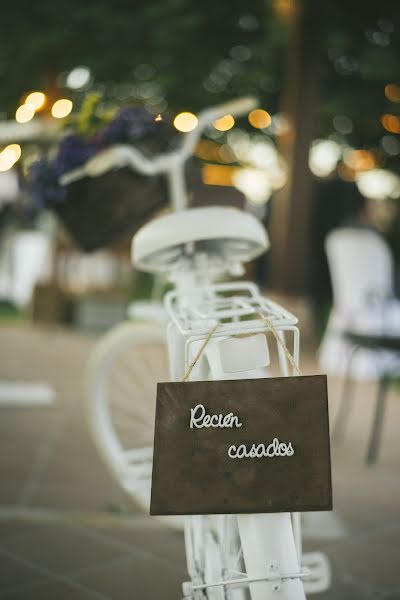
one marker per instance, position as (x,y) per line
(99,210)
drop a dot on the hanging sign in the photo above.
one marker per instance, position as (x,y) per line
(242,446)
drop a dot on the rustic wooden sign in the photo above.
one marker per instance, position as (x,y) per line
(242,446)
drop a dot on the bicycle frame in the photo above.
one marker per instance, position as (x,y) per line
(271,549)
(271,543)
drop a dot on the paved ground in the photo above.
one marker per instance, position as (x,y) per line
(66,531)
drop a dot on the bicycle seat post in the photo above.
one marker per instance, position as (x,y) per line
(177,188)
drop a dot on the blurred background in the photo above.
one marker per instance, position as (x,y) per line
(317,161)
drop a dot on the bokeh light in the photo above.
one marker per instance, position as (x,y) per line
(185,122)
(390,145)
(224,123)
(61,108)
(254,184)
(9,156)
(391,123)
(342,124)
(379,184)
(24,113)
(78,78)
(260,119)
(323,157)
(281,125)
(35,100)
(360,160)
(392,92)
(15,149)
(262,154)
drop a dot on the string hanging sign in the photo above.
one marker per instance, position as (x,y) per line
(242,446)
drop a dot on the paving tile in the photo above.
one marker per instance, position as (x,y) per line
(372,558)
(136,579)
(26,438)
(57,547)
(75,476)
(348,591)
(13,573)
(53,590)
(159,540)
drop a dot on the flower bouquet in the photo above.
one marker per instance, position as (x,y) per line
(99,210)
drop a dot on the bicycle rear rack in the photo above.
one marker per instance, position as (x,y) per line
(229,304)
(238,309)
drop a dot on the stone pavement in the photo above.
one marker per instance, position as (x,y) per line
(67,531)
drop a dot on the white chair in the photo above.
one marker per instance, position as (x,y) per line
(364,309)
(361,269)
(30,263)
(26,258)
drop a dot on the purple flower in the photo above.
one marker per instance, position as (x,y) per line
(73,151)
(130,124)
(42,185)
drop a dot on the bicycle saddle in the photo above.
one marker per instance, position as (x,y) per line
(216,231)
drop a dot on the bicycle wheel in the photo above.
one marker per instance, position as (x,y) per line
(122,375)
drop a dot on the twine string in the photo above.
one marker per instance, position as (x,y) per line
(199,353)
(274,332)
(282,344)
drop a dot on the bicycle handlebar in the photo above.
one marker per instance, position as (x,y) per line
(12,132)
(126,155)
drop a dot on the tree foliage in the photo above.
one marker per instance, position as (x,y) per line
(200,53)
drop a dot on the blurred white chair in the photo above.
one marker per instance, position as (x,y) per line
(362,339)
(361,269)
(26,260)
(30,263)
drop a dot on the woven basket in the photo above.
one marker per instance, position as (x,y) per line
(99,210)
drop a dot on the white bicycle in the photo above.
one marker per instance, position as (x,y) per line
(228,557)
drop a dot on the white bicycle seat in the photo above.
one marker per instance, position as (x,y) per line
(221,231)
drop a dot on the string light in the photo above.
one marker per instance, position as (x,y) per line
(35,100)
(61,108)
(379,184)
(323,157)
(9,156)
(24,114)
(185,122)
(260,119)
(15,149)
(391,123)
(224,123)
(360,160)
(255,184)
(392,92)
(78,77)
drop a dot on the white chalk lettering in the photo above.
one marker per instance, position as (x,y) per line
(275,448)
(199,419)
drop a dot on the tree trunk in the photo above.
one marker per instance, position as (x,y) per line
(292,207)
